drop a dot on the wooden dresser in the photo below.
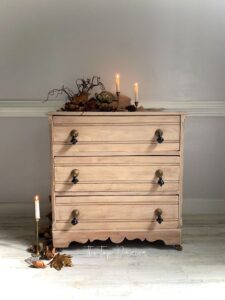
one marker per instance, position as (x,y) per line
(117,175)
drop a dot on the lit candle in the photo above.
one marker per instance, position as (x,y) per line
(136,91)
(37,207)
(117,83)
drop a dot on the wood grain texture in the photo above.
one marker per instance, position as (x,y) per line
(147,112)
(149,191)
(113,187)
(110,119)
(120,225)
(62,239)
(181,167)
(117,160)
(144,199)
(110,149)
(117,194)
(117,133)
(102,174)
(107,211)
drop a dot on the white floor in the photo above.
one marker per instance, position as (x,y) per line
(130,270)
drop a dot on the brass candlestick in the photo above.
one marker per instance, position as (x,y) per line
(37,237)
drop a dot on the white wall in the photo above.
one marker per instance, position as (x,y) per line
(204,165)
(173,48)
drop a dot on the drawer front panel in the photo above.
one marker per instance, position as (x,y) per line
(104,174)
(127,174)
(116,216)
(116,133)
(104,211)
(122,135)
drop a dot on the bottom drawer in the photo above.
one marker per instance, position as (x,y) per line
(125,215)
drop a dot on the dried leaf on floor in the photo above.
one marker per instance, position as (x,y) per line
(61,260)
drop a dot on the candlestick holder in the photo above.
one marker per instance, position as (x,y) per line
(37,238)
(136,103)
(117,94)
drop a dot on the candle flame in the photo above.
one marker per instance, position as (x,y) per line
(36,198)
(117,76)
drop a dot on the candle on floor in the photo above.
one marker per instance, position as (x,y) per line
(37,207)
(117,83)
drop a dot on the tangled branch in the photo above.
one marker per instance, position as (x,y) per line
(83,86)
(86,85)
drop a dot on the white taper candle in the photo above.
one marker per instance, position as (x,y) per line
(37,207)
(136,91)
(117,83)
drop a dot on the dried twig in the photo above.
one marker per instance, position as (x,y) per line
(56,92)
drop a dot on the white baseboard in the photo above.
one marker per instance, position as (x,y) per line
(38,108)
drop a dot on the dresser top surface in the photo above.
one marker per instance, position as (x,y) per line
(149,112)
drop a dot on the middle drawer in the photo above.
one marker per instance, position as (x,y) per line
(127,174)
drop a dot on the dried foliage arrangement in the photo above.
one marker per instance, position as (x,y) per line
(84,99)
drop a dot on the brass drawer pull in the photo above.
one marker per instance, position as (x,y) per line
(158,213)
(74,134)
(159,174)
(74,175)
(75,214)
(159,136)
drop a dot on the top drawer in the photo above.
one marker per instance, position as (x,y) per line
(115,134)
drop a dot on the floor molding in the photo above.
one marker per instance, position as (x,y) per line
(38,108)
